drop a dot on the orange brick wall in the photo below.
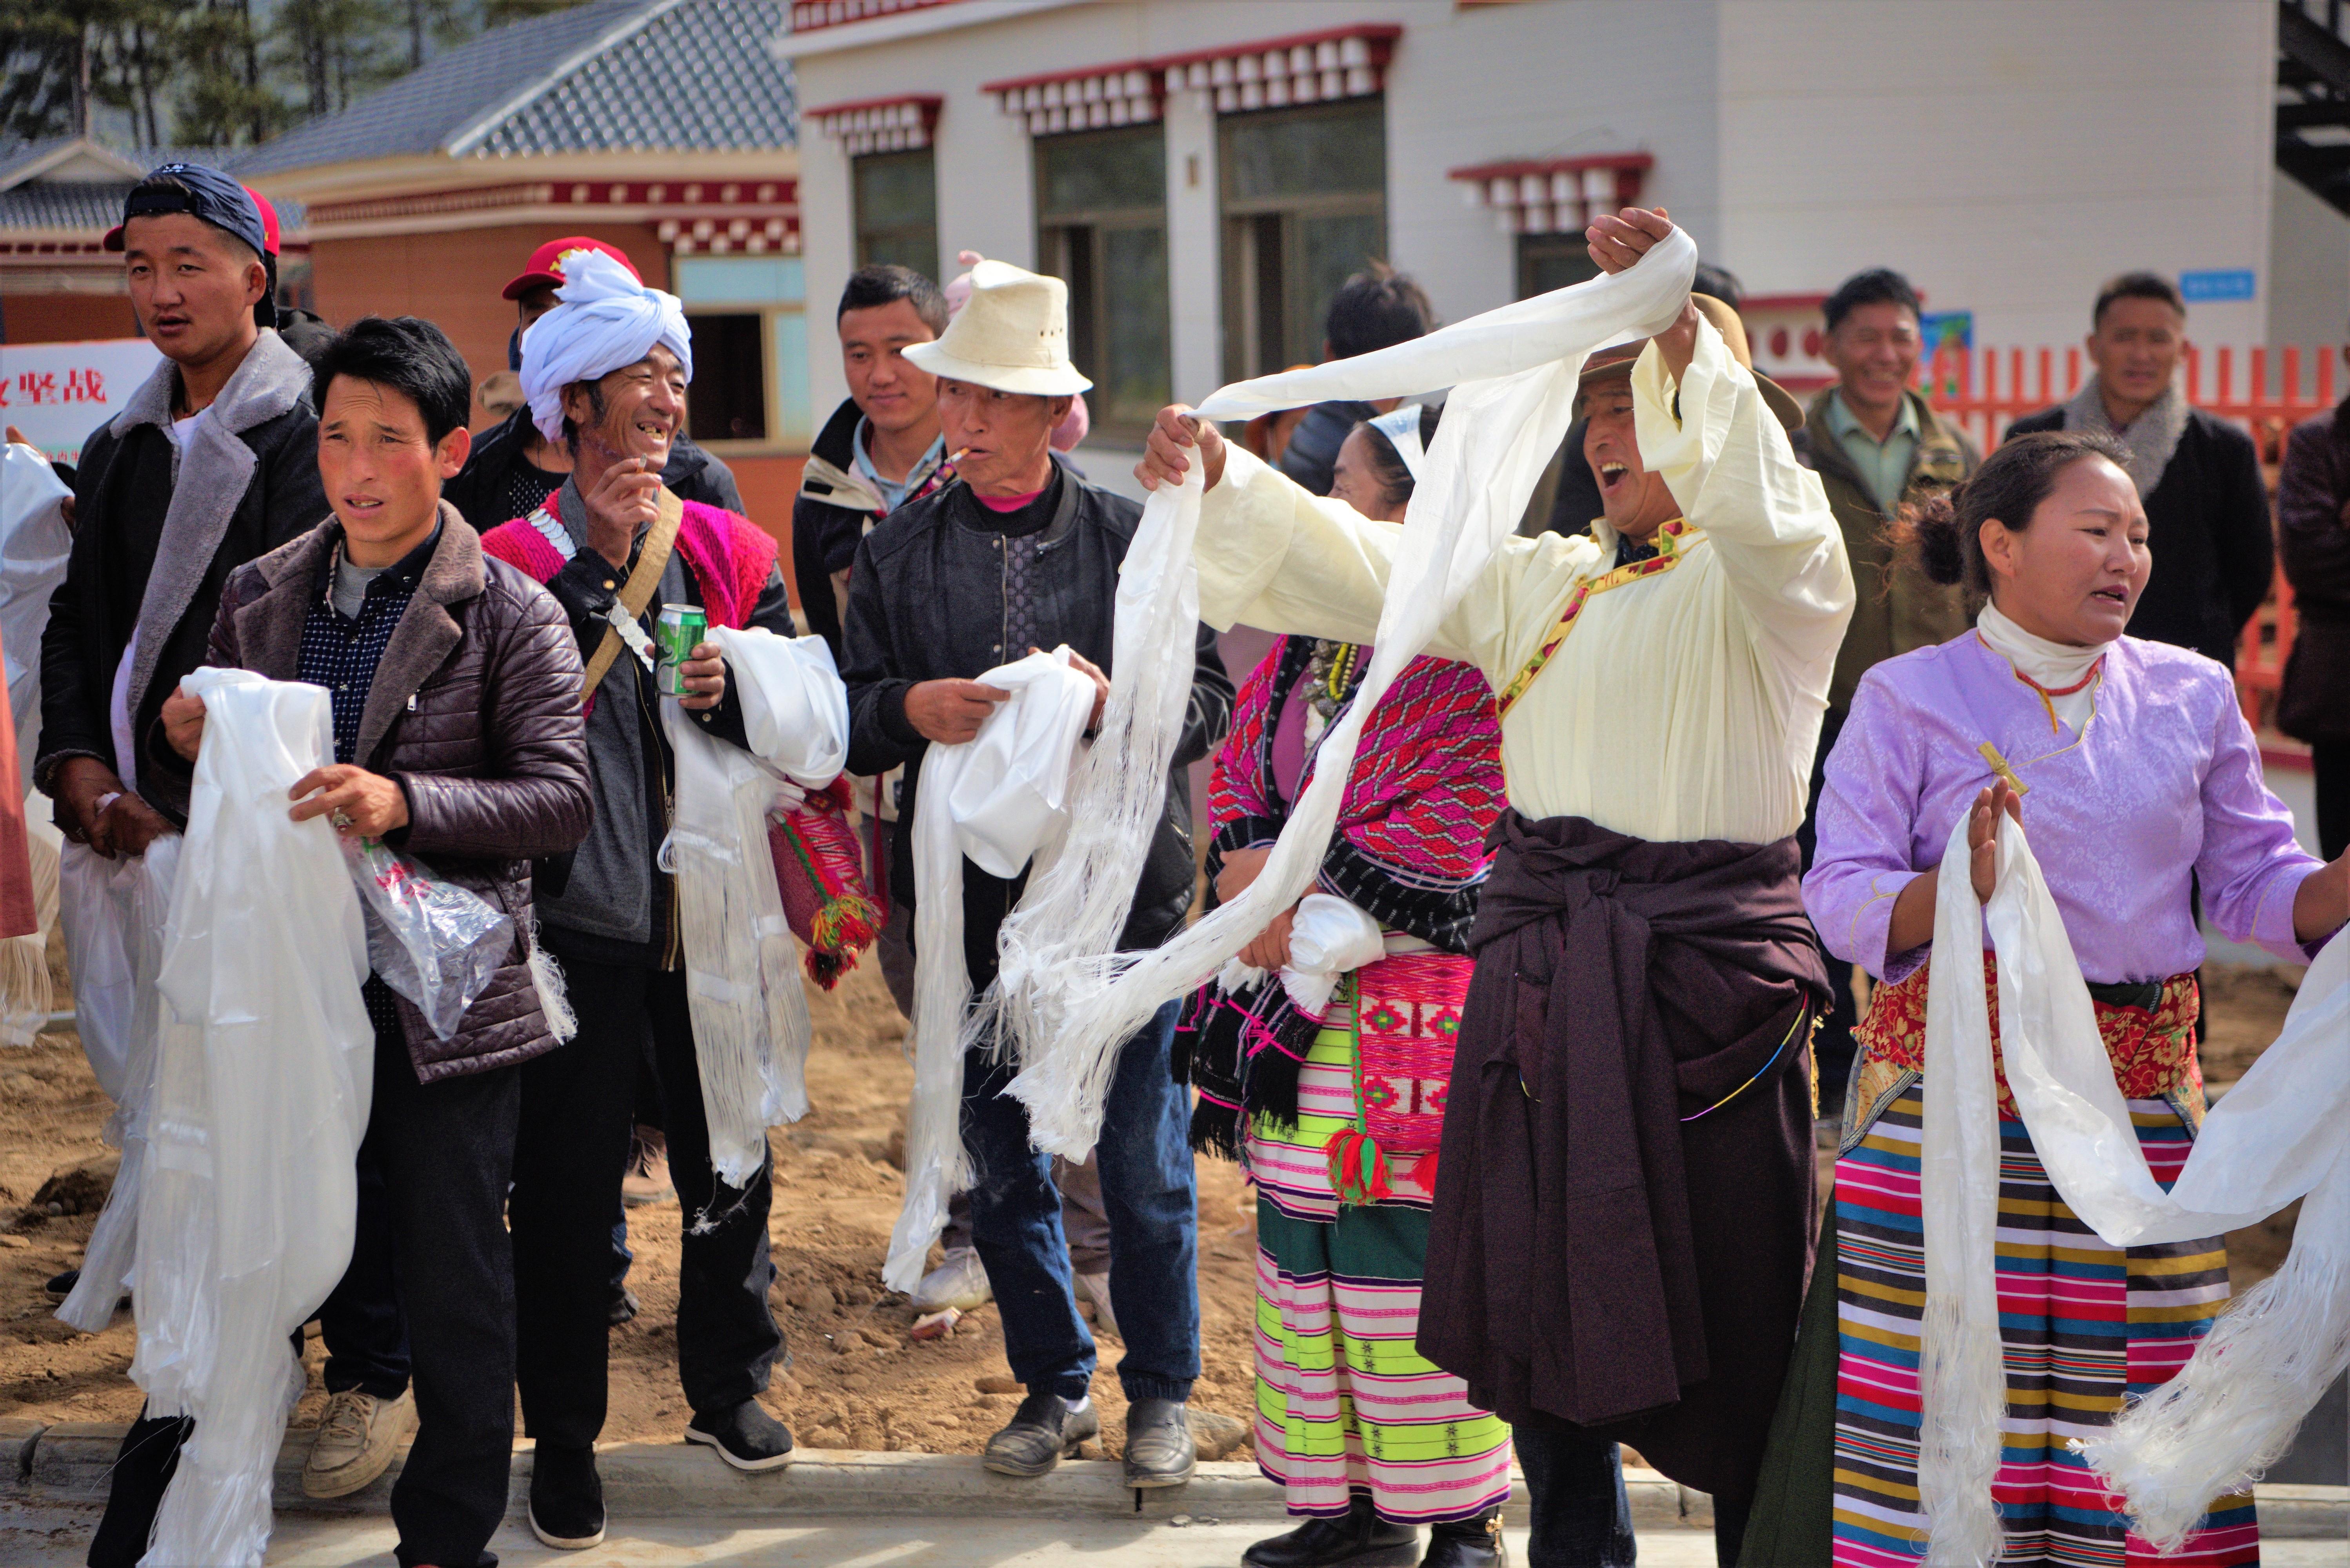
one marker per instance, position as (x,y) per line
(768,485)
(454,279)
(65,317)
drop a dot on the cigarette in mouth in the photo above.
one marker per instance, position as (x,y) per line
(958,455)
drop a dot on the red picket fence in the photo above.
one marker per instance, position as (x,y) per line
(1981,390)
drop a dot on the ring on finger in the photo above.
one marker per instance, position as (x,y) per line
(342,820)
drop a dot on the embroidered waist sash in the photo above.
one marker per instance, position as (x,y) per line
(2149,1028)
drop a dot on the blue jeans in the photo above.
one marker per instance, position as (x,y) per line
(1145,1157)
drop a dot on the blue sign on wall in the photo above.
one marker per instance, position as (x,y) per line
(2234,283)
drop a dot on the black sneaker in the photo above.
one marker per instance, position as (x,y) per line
(61,1286)
(1159,1446)
(746,1437)
(566,1498)
(1040,1432)
(624,1307)
(142,1468)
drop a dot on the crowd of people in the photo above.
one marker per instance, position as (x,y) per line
(1632,881)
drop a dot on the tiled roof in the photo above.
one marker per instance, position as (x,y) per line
(654,74)
(40,203)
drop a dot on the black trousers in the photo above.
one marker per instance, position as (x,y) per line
(1579,1513)
(366,1337)
(2332,761)
(577,1106)
(445,1152)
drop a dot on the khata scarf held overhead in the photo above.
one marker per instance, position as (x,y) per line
(607,319)
(264,1077)
(750,1017)
(2283,1133)
(1068,1000)
(1000,799)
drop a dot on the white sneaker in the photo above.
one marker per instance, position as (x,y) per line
(358,1436)
(959,1281)
(1095,1288)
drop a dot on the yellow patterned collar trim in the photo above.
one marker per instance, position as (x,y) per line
(1674,542)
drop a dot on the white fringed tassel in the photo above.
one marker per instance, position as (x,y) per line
(2215,1427)
(554,994)
(1076,908)
(751,1022)
(1961,1373)
(26,994)
(937,1167)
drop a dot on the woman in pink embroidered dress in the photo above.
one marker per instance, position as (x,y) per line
(1336,1109)
(2139,782)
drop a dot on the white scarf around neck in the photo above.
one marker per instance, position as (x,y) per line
(2053,667)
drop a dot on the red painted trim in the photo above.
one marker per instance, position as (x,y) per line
(2291,760)
(1374,31)
(1384,33)
(1782,302)
(928,102)
(1015,84)
(1515,167)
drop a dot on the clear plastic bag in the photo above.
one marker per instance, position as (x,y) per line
(433,942)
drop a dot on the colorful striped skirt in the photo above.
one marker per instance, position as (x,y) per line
(2084,1325)
(1345,1405)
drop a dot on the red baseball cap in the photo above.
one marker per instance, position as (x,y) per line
(268,218)
(546,268)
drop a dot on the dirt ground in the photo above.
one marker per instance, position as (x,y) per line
(856,1381)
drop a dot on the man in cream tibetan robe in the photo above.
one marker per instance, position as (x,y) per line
(1624,1203)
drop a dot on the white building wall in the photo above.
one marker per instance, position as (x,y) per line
(2309,251)
(2007,154)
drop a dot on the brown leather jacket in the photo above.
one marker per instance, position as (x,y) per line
(475,710)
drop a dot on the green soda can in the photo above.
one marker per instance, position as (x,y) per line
(678,630)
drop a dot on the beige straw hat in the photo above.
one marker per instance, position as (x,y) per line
(1014,336)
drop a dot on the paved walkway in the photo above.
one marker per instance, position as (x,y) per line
(56,1538)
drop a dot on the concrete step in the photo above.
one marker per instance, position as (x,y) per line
(68,1463)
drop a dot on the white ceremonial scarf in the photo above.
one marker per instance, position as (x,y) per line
(742,984)
(1001,799)
(2052,666)
(1066,999)
(2281,1134)
(607,319)
(264,1077)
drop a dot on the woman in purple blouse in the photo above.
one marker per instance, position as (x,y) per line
(2139,782)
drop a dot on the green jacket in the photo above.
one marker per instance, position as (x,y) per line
(1895,609)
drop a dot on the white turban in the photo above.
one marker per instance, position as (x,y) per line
(607,319)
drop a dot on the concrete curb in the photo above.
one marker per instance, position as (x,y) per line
(68,1463)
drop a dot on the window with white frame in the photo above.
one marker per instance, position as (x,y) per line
(750,390)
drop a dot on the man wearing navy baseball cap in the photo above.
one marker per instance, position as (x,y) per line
(214,461)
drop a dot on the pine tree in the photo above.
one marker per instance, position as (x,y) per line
(222,96)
